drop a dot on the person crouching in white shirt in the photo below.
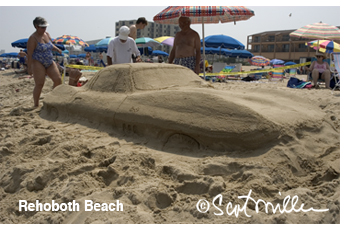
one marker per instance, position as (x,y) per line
(121,48)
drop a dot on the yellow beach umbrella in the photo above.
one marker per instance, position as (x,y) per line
(325,46)
(166,40)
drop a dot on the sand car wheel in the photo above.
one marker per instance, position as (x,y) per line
(181,141)
(51,112)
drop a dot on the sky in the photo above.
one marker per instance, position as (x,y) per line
(96,22)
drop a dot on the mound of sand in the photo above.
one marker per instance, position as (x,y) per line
(47,160)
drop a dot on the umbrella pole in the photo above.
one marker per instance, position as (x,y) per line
(203,47)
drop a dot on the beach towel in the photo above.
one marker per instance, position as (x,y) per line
(298,84)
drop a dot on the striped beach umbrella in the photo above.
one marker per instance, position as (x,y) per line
(70,40)
(203,14)
(259,61)
(317,31)
(145,42)
(325,46)
(165,40)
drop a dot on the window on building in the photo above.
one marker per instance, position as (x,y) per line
(285,47)
(271,38)
(256,48)
(270,48)
(286,37)
(257,39)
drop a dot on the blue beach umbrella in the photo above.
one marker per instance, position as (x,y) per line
(239,53)
(104,42)
(90,48)
(101,49)
(222,41)
(81,55)
(22,43)
(276,62)
(290,63)
(159,52)
(143,50)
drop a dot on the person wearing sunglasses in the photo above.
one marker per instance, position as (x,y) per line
(40,58)
(320,70)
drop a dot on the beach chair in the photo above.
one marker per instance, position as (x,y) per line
(309,75)
(228,69)
(337,70)
(277,74)
(218,66)
(292,72)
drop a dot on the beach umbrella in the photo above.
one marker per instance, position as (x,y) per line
(203,14)
(101,49)
(159,52)
(259,61)
(289,63)
(239,53)
(165,40)
(73,56)
(325,46)
(145,50)
(22,43)
(320,31)
(317,31)
(70,40)
(81,55)
(276,62)
(211,50)
(104,42)
(145,42)
(222,41)
(90,48)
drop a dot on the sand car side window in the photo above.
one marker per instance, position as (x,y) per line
(112,81)
(160,78)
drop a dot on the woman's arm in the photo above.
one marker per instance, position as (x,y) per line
(53,45)
(31,45)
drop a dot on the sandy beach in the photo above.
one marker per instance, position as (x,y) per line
(50,160)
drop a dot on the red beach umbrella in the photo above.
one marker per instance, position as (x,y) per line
(203,14)
(259,61)
(70,40)
(320,30)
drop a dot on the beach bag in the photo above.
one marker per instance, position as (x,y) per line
(298,84)
(248,78)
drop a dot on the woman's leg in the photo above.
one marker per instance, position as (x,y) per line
(54,74)
(315,76)
(39,74)
(327,78)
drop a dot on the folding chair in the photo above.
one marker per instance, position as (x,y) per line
(278,73)
(292,72)
(309,75)
(337,69)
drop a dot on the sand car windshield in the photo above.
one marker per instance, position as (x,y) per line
(161,78)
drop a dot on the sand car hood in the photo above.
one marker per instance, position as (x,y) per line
(198,113)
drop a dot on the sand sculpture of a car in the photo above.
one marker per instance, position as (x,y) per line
(166,103)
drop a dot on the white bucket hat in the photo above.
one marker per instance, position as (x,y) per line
(123,32)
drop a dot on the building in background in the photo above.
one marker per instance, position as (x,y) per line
(279,45)
(152,30)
